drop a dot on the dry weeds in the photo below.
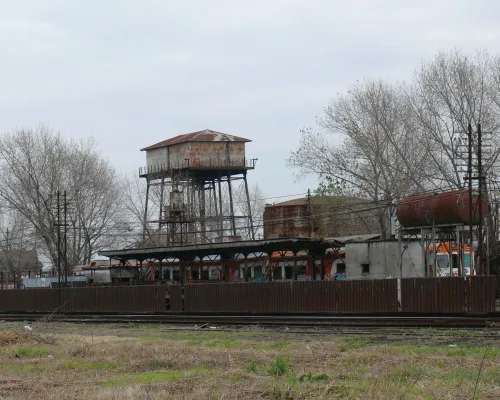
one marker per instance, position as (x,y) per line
(96,362)
(10,338)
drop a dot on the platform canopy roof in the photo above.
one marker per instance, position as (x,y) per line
(357,238)
(206,135)
(225,250)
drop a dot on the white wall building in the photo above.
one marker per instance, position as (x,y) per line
(381,258)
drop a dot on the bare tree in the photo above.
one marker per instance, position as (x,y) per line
(379,158)
(17,244)
(36,165)
(140,233)
(95,202)
(257,205)
(450,92)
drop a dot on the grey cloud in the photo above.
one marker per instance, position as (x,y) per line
(133,73)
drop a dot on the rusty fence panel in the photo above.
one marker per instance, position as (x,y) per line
(481,294)
(419,295)
(138,299)
(175,297)
(448,294)
(433,295)
(369,296)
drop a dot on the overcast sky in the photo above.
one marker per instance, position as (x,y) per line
(132,73)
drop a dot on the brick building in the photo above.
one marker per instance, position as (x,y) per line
(319,217)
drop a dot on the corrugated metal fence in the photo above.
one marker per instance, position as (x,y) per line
(418,295)
(449,295)
(367,296)
(138,299)
(175,295)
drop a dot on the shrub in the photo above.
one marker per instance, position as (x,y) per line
(252,366)
(278,367)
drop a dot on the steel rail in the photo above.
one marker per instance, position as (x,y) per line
(467,321)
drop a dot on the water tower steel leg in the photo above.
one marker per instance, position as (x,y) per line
(201,200)
(162,189)
(195,213)
(217,222)
(233,221)
(220,209)
(249,207)
(144,223)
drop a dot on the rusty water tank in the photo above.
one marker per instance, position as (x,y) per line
(446,208)
(176,200)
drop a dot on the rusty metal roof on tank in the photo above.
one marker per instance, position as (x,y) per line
(326,200)
(206,135)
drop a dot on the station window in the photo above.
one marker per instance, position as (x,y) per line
(365,269)
(177,275)
(215,274)
(340,268)
(302,271)
(288,273)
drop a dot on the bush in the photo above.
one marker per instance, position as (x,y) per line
(310,377)
(252,366)
(278,367)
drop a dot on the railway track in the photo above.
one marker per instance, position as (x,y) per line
(314,321)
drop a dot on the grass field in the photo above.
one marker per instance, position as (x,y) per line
(69,361)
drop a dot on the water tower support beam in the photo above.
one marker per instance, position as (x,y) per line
(220,208)
(217,221)
(249,207)
(201,199)
(162,189)
(144,223)
(233,221)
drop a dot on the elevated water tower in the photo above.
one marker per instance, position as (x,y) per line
(195,177)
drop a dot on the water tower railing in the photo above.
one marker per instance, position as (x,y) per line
(197,163)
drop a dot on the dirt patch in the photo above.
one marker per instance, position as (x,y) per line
(8,338)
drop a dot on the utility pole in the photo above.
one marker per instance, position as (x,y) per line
(481,267)
(65,239)
(480,201)
(62,239)
(469,173)
(309,214)
(58,239)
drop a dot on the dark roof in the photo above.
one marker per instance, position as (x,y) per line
(357,238)
(228,249)
(205,135)
(316,200)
